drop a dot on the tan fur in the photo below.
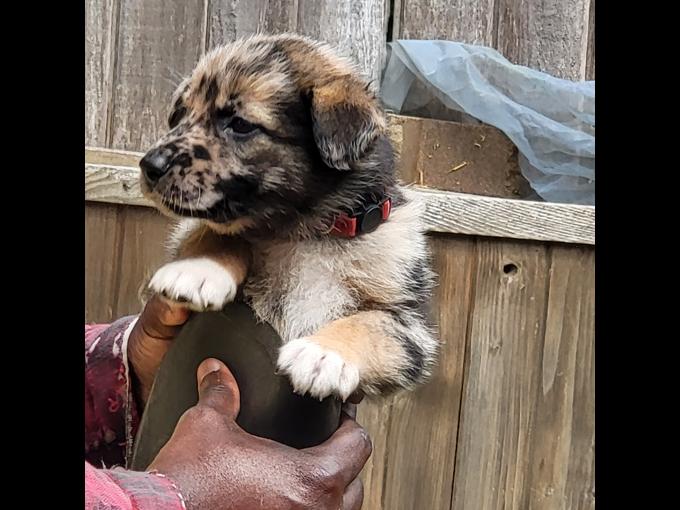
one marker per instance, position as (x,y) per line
(361,339)
(231,253)
(232,228)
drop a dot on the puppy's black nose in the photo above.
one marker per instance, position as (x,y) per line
(155,164)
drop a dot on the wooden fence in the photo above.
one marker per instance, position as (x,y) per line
(136,49)
(508,419)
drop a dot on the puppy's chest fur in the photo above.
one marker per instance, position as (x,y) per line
(298,287)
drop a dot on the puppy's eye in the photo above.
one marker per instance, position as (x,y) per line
(241,126)
(176,116)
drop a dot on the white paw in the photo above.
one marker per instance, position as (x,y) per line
(200,283)
(316,370)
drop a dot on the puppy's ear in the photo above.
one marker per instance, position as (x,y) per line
(346,119)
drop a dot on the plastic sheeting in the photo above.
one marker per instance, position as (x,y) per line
(550,120)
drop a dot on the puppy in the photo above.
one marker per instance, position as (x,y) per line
(278,164)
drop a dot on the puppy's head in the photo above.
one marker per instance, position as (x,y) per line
(263,131)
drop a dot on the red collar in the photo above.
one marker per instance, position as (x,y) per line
(364,222)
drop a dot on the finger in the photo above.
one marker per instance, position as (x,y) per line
(353,497)
(346,451)
(217,388)
(161,319)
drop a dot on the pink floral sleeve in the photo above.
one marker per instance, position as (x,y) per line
(118,489)
(111,416)
(111,420)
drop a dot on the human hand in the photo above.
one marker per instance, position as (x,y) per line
(217,465)
(150,339)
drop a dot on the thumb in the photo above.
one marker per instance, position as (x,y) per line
(218,389)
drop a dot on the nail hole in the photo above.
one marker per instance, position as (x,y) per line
(510,269)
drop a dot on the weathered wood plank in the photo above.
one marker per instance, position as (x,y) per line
(375,417)
(356,27)
(445,212)
(229,20)
(102,250)
(113,185)
(458,213)
(551,36)
(421,452)
(560,464)
(157,41)
(590,64)
(142,251)
(502,376)
(112,157)
(467,21)
(100,27)
(450,156)
(281,16)
(123,247)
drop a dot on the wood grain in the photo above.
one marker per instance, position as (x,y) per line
(101,17)
(467,21)
(158,41)
(112,157)
(421,452)
(143,235)
(375,416)
(102,260)
(357,28)
(501,379)
(561,461)
(229,20)
(113,185)
(551,35)
(590,64)
(451,156)
(459,213)
(527,421)
(123,247)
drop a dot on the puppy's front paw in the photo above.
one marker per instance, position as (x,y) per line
(316,370)
(200,283)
